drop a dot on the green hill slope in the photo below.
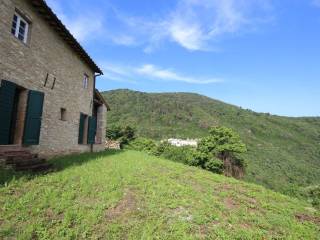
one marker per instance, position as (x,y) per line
(130,195)
(284,153)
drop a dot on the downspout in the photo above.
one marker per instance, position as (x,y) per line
(93,91)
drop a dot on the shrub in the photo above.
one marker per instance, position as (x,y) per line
(312,193)
(143,144)
(122,134)
(214,165)
(113,132)
(222,151)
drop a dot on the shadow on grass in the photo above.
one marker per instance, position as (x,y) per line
(59,164)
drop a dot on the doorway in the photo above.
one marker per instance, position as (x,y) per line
(13,101)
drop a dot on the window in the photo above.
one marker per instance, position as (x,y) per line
(20,28)
(63,114)
(85,81)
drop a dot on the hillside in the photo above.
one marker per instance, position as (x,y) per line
(130,195)
(284,153)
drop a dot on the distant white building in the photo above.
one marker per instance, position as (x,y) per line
(183,142)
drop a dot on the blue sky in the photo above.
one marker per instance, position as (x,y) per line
(259,54)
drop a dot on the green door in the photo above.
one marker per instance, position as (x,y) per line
(7,96)
(92,128)
(33,118)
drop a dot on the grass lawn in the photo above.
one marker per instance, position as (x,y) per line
(130,195)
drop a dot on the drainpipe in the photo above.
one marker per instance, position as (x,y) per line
(94,88)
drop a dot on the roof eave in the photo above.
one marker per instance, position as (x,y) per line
(45,11)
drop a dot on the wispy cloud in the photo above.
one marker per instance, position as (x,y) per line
(82,26)
(132,74)
(153,72)
(316,3)
(198,24)
(192,24)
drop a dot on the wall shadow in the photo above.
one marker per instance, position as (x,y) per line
(59,164)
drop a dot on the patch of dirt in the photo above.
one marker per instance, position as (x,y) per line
(230,203)
(245,225)
(226,187)
(252,201)
(203,231)
(307,218)
(51,216)
(126,205)
(182,213)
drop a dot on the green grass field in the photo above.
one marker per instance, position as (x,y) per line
(130,195)
(283,153)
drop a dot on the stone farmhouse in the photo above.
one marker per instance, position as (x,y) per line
(48,101)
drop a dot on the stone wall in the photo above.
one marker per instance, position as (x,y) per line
(28,65)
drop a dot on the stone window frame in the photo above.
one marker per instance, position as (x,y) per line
(20,18)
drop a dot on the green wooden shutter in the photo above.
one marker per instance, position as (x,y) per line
(81,128)
(92,128)
(7,93)
(33,118)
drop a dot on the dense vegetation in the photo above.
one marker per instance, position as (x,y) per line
(220,152)
(132,195)
(283,153)
(122,134)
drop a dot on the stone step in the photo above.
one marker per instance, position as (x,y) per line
(28,162)
(19,158)
(4,148)
(14,152)
(35,167)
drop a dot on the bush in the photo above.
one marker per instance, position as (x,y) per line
(312,193)
(143,144)
(177,154)
(221,152)
(214,165)
(122,134)
(113,132)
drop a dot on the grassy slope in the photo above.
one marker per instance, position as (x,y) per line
(283,152)
(130,195)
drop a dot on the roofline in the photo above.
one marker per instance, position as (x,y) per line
(45,11)
(102,99)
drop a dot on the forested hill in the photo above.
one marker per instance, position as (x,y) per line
(284,153)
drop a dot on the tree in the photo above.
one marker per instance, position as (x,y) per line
(221,152)
(122,134)
(113,132)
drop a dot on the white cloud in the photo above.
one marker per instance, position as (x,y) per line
(82,26)
(129,74)
(188,36)
(316,3)
(192,24)
(197,24)
(151,71)
(118,73)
